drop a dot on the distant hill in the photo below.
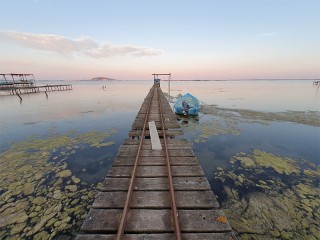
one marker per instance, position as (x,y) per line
(102,79)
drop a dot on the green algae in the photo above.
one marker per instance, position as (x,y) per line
(311,118)
(262,159)
(37,188)
(263,204)
(64,173)
(222,121)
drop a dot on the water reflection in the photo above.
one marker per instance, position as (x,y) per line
(55,163)
(186,119)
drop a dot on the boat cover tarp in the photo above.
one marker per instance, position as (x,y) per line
(192,101)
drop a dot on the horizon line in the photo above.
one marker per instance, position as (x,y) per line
(179,80)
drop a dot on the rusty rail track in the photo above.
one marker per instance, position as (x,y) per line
(132,180)
(171,189)
(155,194)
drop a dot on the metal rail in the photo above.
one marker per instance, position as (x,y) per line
(173,199)
(133,176)
(134,171)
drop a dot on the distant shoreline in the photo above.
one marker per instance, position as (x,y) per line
(183,80)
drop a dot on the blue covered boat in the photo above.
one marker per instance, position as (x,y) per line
(187,105)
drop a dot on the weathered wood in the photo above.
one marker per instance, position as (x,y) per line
(154,161)
(152,184)
(160,236)
(138,124)
(157,199)
(155,140)
(170,142)
(155,221)
(169,133)
(150,214)
(132,151)
(157,171)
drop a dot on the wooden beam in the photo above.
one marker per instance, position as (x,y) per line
(155,140)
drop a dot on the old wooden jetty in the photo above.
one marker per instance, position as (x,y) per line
(22,83)
(316,82)
(156,188)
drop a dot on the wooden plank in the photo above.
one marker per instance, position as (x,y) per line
(150,209)
(160,236)
(153,161)
(169,133)
(157,199)
(155,221)
(138,124)
(155,141)
(170,142)
(147,146)
(203,221)
(132,151)
(166,115)
(151,184)
(172,153)
(157,171)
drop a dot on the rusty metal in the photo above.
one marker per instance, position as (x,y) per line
(133,175)
(173,200)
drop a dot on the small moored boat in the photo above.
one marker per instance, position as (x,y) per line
(187,105)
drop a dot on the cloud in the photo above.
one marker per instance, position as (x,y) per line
(111,50)
(66,46)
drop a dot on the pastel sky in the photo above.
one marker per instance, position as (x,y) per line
(125,39)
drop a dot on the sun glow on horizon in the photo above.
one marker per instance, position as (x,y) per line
(206,40)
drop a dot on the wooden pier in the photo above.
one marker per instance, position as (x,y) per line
(25,85)
(155,194)
(316,82)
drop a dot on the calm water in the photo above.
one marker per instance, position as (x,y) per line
(89,107)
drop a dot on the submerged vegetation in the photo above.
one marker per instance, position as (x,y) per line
(221,121)
(265,196)
(311,118)
(271,197)
(40,196)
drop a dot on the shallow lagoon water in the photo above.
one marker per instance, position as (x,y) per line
(88,110)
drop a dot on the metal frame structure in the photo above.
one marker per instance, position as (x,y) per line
(23,79)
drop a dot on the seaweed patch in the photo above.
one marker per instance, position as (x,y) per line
(40,196)
(271,197)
